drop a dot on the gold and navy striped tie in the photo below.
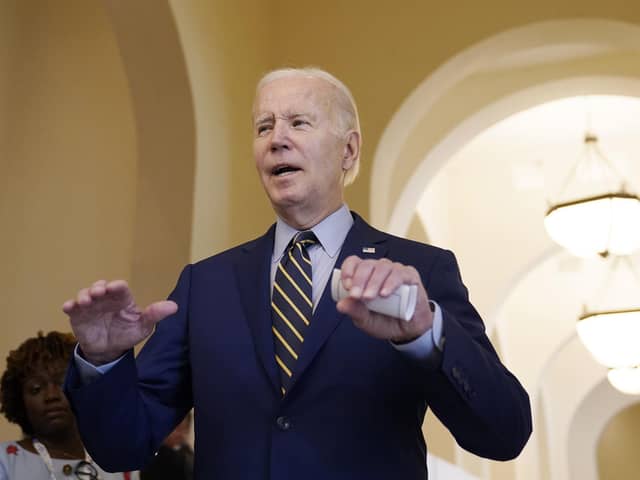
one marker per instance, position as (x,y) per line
(292,304)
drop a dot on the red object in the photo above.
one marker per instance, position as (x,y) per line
(12,450)
(126,475)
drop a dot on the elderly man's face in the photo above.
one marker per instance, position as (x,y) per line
(299,153)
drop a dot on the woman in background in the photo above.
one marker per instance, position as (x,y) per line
(32,397)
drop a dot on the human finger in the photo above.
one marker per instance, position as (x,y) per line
(158,311)
(368,277)
(355,308)
(347,269)
(83,298)
(118,291)
(391,283)
(382,268)
(359,278)
(69,306)
(117,286)
(400,274)
(98,289)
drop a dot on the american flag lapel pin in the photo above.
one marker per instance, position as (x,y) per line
(368,250)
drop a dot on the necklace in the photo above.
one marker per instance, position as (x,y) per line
(46,458)
(58,453)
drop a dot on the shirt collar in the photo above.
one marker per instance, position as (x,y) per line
(330,232)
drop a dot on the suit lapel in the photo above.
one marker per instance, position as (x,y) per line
(253,270)
(363,241)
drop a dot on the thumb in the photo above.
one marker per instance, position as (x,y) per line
(158,311)
(355,308)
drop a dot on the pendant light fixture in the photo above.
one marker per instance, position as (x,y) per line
(611,331)
(602,216)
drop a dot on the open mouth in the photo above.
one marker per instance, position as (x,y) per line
(284,170)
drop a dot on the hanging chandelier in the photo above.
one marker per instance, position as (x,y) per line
(603,221)
(612,337)
(626,380)
(612,334)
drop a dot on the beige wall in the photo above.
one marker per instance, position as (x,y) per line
(99,145)
(161,100)
(618,457)
(67,187)
(225,57)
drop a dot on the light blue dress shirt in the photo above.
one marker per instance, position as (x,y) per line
(331,233)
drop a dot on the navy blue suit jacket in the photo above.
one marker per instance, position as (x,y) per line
(355,407)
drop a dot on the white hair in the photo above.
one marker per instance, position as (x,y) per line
(347,115)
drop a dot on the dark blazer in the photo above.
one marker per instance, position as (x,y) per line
(355,407)
(170,464)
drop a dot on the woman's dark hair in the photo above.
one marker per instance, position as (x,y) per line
(30,357)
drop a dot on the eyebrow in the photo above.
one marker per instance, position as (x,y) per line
(291,116)
(287,116)
(265,117)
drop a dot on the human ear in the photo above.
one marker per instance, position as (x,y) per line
(351,150)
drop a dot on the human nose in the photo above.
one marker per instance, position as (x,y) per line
(279,137)
(53,391)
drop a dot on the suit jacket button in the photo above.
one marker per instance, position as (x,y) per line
(283,423)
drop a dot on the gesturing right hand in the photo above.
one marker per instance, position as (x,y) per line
(107,322)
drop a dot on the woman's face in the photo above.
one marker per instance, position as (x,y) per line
(47,408)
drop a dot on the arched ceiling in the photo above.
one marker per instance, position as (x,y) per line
(162,103)
(496,190)
(474,89)
(479,161)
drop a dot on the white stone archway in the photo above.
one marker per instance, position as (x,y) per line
(397,181)
(561,59)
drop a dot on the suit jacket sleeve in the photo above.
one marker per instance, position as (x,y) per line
(123,416)
(479,400)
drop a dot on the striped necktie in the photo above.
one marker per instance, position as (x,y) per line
(292,304)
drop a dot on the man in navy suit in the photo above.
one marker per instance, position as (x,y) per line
(358,392)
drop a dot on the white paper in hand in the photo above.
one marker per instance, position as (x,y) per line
(400,304)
